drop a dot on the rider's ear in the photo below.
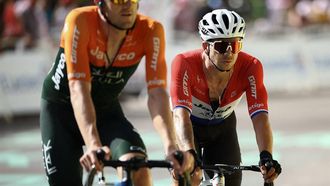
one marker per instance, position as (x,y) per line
(205,45)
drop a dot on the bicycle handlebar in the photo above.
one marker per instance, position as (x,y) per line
(229,169)
(136,163)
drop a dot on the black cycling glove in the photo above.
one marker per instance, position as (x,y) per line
(266,159)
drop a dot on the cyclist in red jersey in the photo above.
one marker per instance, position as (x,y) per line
(206,86)
(101,47)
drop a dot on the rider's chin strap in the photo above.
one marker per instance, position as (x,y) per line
(221,70)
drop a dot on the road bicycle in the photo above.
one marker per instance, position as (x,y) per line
(221,170)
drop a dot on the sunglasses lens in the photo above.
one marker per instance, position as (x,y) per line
(222,46)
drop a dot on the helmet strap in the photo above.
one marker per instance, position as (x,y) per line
(221,70)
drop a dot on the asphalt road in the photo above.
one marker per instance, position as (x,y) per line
(301,124)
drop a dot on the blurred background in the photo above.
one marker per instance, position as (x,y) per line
(290,37)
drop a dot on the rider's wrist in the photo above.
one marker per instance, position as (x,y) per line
(265,155)
(194,154)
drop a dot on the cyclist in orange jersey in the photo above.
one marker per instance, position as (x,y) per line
(101,47)
(206,86)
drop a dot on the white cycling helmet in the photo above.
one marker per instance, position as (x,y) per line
(220,24)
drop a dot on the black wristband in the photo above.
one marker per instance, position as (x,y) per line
(265,155)
(194,153)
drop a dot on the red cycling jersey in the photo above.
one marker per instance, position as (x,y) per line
(189,87)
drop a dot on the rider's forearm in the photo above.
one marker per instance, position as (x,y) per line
(183,128)
(263,132)
(158,104)
(84,112)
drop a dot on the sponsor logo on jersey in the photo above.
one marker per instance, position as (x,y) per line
(204,110)
(256,106)
(185,83)
(76,75)
(198,79)
(59,72)
(156,42)
(185,102)
(126,56)
(156,82)
(253,86)
(76,34)
(114,77)
(100,55)
(47,159)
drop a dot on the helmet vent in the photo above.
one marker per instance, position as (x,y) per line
(205,22)
(211,30)
(234,29)
(214,19)
(235,18)
(220,30)
(225,20)
(240,29)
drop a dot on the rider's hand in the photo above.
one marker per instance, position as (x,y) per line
(188,164)
(270,169)
(89,159)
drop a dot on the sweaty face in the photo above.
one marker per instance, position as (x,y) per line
(224,52)
(122,15)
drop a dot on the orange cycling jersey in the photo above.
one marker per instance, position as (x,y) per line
(189,87)
(83,56)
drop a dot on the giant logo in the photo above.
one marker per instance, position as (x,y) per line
(185,84)
(253,86)
(75,45)
(156,42)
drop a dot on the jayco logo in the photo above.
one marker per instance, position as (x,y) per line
(98,54)
(59,72)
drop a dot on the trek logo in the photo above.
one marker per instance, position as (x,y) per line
(253,86)
(59,72)
(185,84)
(76,34)
(47,159)
(156,42)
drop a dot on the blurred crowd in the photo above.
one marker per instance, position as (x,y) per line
(264,15)
(24,22)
